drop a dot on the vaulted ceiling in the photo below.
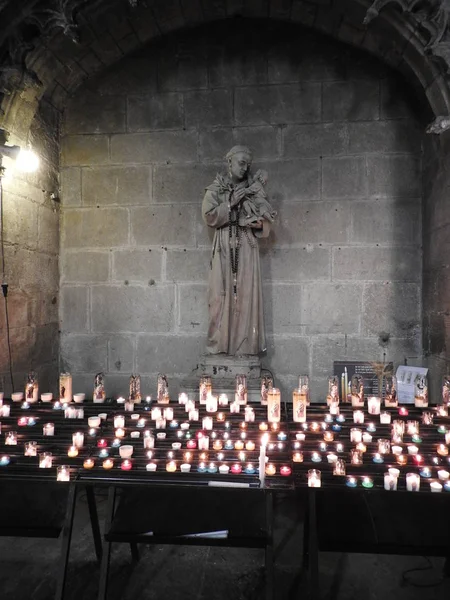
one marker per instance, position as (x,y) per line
(49,47)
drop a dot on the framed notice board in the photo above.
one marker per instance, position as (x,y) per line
(345,369)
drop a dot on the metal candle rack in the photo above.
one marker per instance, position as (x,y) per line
(429,434)
(26,467)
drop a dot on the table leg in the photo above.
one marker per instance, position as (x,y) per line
(106,554)
(90,495)
(269,547)
(65,542)
(313,547)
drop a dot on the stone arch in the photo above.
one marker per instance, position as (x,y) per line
(110,29)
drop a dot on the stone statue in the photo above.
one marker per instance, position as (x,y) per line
(236,205)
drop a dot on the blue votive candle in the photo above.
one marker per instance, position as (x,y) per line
(351,482)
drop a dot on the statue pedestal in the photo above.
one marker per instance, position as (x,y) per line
(223,366)
(223,369)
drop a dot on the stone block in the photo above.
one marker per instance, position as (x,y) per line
(86,150)
(116,185)
(265,142)
(351,101)
(177,184)
(331,308)
(397,99)
(210,108)
(158,147)
(282,309)
(123,309)
(137,75)
(291,181)
(48,228)
(121,353)
(188,265)
(344,177)
(287,355)
(192,11)
(182,64)
(280,104)
(300,58)
(376,263)
(85,353)
(92,113)
(308,141)
(384,136)
(48,307)
(214,144)
(228,68)
(170,354)
(22,310)
(313,223)
(137,265)
(168,15)
(20,221)
(74,309)
(310,263)
(393,308)
(29,188)
(83,267)
(327,348)
(394,175)
(71,186)
(94,227)
(163,225)
(159,111)
(193,307)
(381,221)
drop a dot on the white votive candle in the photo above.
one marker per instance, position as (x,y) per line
(435,486)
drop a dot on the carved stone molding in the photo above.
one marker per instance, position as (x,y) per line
(431,19)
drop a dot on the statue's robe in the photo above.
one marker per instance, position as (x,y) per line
(236,323)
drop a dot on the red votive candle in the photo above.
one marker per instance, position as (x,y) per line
(191,444)
(285,471)
(236,469)
(126,465)
(403,411)
(102,443)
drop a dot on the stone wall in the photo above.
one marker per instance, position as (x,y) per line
(436,263)
(31,234)
(342,145)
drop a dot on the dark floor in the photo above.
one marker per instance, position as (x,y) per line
(28,568)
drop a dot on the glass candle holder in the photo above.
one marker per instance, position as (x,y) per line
(240,393)
(99,394)
(355,435)
(211,404)
(207,423)
(314,478)
(266,385)
(357,391)
(63,473)
(78,439)
(11,438)
(374,405)
(390,386)
(48,429)
(427,417)
(274,405)
(30,449)
(412,427)
(358,416)
(299,404)
(65,387)
(412,482)
(390,482)
(435,486)
(223,400)
(32,388)
(162,390)
(204,389)
(45,460)
(356,457)
(249,414)
(384,446)
(421,391)
(339,467)
(385,418)
(333,391)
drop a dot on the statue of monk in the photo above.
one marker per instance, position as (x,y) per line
(236,206)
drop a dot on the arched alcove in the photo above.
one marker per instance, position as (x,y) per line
(110,30)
